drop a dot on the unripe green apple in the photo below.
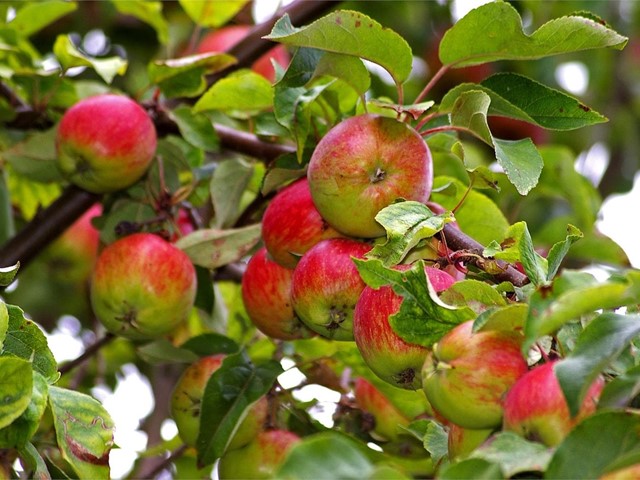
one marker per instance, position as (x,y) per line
(466,375)
(260,458)
(364,164)
(105,143)
(536,408)
(462,441)
(387,417)
(142,286)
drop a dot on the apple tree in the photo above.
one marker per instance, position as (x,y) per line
(377,198)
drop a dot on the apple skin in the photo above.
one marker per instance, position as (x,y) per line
(462,441)
(105,143)
(466,374)
(142,287)
(260,458)
(266,294)
(227,37)
(326,286)
(362,165)
(387,416)
(390,357)
(186,399)
(535,406)
(291,224)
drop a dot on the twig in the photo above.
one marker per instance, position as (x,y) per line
(89,352)
(165,464)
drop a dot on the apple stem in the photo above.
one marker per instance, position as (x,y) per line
(437,76)
(544,355)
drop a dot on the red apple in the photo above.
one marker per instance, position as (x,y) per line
(266,293)
(326,285)
(225,38)
(260,458)
(142,286)
(291,224)
(387,416)
(467,374)
(105,143)
(364,164)
(186,401)
(462,441)
(536,408)
(387,355)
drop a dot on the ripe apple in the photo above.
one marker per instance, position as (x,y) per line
(387,417)
(535,406)
(326,285)
(266,293)
(186,400)
(142,286)
(466,374)
(225,38)
(260,458)
(362,165)
(291,224)
(105,143)
(462,441)
(387,355)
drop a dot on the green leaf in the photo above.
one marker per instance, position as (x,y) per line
(494,32)
(475,294)
(406,223)
(326,456)
(25,426)
(227,187)
(423,318)
(212,13)
(210,344)
(35,156)
(69,56)
(185,77)
(602,340)
(147,11)
(560,250)
(7,223)
(513,454)
(508,318)
(34,462)
(243,91)
(350,33)
(25,340)
(436,441)
(230,391)
(213,248)
(347,68)
(162,351)
(33,17)
(84,431)
(598,441)
(621,390)
(4,322)
(16,385)
(471,469)
(196,129)
(29,195)
(7,274)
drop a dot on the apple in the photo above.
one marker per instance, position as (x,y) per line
(466,375)
(291,224)
(326,285)
(186,401)
(105,143)
(631,472)
(362,165)
(387,417)
(142,286)
(266,294)
(385,353)
(260,458)
(462,441)
(535,407)
(227,37)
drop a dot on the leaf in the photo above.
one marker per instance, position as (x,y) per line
(601,341)
(7,274)
(34,462)
(406,223)
(347,68)
(350,33)
(227,187)
(33,17)
(243,91)
(162,351)
(185,76)
(436,441)
(212,13)
(597,441)
(30,195)
(508,318)
(327,456)
(471,469)
(22,429)
(7,223)
(212,248)
(494,32)
(423,318)
(230,391)
(25,340)
(16,384)
(84,431)
(513,454)
(4,322)
(196,129)
(149,12)
(69,56)
(560,250)
(210,344)
(621,390)
(34,157)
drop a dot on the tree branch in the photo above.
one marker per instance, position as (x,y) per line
(89,352)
